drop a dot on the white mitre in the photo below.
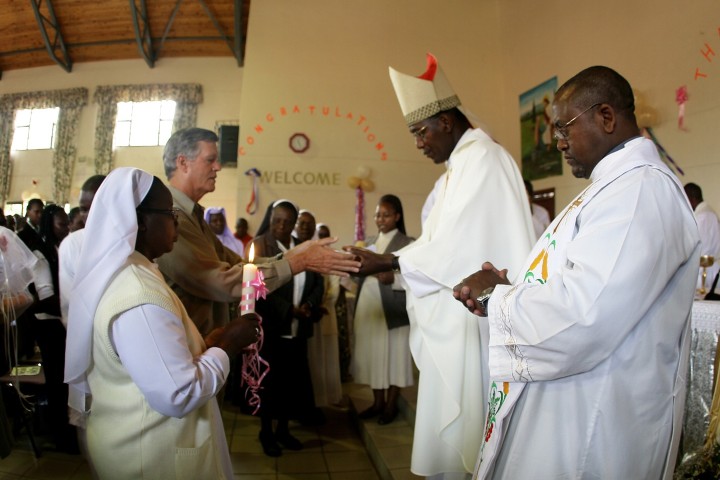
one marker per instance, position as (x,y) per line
(426,95)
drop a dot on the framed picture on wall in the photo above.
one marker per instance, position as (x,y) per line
(540,157)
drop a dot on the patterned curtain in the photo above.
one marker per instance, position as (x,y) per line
(186,95)
(70,101)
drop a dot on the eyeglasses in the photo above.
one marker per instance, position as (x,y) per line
(420,134)
(173,212)
(561,132)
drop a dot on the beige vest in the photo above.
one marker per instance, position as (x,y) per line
(126,437)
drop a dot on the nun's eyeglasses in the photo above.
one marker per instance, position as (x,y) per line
(173,212)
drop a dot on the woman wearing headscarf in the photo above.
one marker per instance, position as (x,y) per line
(137,366)
(288,316)
(216,219)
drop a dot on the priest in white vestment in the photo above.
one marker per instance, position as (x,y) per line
(589,349)
(480,211)
(709,228)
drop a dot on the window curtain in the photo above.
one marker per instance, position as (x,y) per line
(70,101)
(186,95)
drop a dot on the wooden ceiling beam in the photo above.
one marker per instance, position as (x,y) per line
(220,30)
(57,45)
(142,31)
(238,50)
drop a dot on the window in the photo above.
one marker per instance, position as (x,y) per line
(143,124)
(35,128)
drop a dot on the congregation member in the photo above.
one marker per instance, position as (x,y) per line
(29,231)
(589,348)
(323,231)
(215,218)
(9,222)
(709,229)
(131,345)
(381,357)
(480,211)
(48,329)
(540,216)
(289,314)
(204,273)
(74,218)
(322,346)
(70,247)
(241,231)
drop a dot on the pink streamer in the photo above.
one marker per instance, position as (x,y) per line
(360,215)
(254,367)
(681,97)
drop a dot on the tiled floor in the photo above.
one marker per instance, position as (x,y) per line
(333,451)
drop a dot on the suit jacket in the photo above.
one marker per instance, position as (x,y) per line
(393,301)
(204,273)
(30,237)
(277,308)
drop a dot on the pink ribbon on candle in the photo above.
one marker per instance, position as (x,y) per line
(259,283)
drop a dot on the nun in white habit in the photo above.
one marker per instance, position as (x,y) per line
(138,369)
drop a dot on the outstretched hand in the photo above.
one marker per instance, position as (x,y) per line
(317,256)
(371,262)
(471,287)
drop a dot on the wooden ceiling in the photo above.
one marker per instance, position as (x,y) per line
(37,33)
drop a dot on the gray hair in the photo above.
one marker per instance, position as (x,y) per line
(185,142)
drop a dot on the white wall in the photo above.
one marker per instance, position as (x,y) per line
(325,53)
(221,79)
(656,46)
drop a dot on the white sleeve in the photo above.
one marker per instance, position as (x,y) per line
(627,251)
(43,277)
(152,345)
(68,256)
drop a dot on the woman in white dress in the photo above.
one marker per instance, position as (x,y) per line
(381,356)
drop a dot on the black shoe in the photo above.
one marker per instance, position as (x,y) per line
(288,441)
(314,418)
(387,417)
(269,445)
(369,413)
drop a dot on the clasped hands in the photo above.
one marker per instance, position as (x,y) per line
(470,288)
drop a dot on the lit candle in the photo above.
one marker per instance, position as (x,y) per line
(247,300)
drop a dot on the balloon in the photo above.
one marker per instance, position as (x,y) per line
(647,118)
(639,99)
(367,185)
(362,172)
(353,182)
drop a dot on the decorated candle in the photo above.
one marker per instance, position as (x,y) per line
(247,300)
